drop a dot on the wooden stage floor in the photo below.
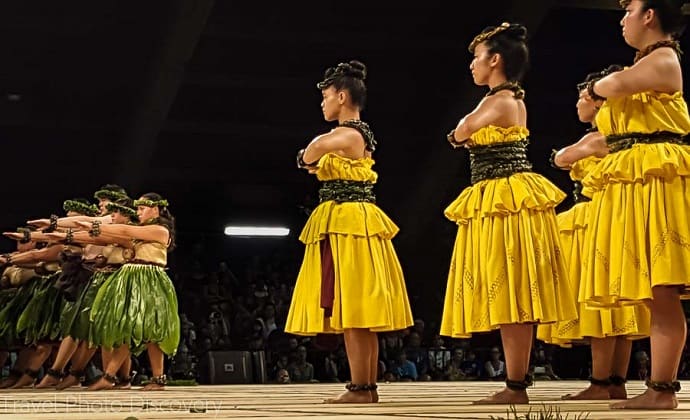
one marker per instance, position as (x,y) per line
(429,400)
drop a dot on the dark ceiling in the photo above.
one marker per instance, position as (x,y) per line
(207,102)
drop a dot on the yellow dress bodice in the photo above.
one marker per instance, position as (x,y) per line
(582,167)
(333,166)
(646,112)
(154,252)
(492,134)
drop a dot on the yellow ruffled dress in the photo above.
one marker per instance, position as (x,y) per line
(640,204)
(633,322)
(507,266)
(370,288)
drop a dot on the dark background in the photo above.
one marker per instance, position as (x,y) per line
(207,103)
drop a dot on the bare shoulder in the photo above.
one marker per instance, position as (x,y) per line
(666,58)
(503,101)
(348,134)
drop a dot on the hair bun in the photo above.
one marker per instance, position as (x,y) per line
(355,69)
(517,32)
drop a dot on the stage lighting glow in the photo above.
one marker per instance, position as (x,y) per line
(254,231)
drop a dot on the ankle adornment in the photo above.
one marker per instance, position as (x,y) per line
(110,378)
(31,373)
(358,387)
(617,380)
(672,387)
(519,385)
(599,382)
(159,380)
(58,374)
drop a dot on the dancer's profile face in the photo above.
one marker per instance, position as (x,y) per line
(586,108)
(102,202)
(331,103)
(481,65)
(119,218)
(146,213)
(633,22)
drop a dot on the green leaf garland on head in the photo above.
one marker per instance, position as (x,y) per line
(108,194)
(81,208)
(150,203)
(127,211)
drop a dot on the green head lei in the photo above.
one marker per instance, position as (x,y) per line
(81,208)
(150,203)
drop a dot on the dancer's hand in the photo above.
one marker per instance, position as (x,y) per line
(39,223)
(14,235)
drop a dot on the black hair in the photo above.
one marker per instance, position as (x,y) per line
(598,75)
(669,13)
(115,188)
(348,76)
(510,41)
(125,206)
(165,218)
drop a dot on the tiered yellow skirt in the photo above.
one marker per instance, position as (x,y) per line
(640,204)
(507,265)
(370,288)
(632,322)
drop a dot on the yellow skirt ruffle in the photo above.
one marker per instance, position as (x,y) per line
(370,288)
(632,322)
(640,203)
(507,266)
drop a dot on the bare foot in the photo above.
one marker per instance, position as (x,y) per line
(351,397)
(101,384)
(68,381)
(153,387)
(618,392)
(9,381)
(124,385)
(48,381)
(507,396)
(374,396)
(649,400)
(592,392)
(24,381)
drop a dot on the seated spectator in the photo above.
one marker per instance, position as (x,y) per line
(454,370)
(641,365)
(269,319)
(541,368)
(301,370)
(330,368)
(471,366)
(281,363)
(390,344)
(495,368)
(256,340)
(283,377)
(438,358)
(416,354)
(404,369)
